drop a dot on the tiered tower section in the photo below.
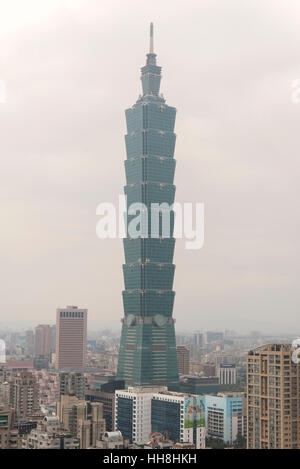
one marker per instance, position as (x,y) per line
(148,347)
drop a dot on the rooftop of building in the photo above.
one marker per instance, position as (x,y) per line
(271,347)
(145,389)
(226,395)
(112,436)
(177,394)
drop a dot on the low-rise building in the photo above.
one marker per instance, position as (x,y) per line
(133,412)
(184,446)
(50,434)
(180,417)
(9,437)
(224,416)
(141,411)
(112,440)
(227,373)
(158,441)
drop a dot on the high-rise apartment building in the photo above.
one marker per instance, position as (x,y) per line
(22,394)
(273,390)
(48,383)
(42,340)
(5,373)
(183,356)
(71,330)
(72,384)
(147,354)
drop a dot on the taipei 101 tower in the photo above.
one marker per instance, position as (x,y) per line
(148,354)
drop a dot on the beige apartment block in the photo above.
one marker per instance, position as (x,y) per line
(82,418)
(273,391)
(22,394)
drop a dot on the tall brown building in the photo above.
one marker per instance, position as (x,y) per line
(273,391)
(43,340)
(71,326)
(183,356)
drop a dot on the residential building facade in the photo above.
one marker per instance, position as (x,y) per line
(72,383)
(49,434)
(82,418)
(22,394)
(273,389)
(9,437)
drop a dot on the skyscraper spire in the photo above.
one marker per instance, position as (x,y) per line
(151,73)
(151,50)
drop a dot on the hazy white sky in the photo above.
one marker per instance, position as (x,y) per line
(71,69)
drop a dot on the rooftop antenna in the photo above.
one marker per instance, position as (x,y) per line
(151,39)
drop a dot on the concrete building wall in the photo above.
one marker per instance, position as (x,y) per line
(224,416)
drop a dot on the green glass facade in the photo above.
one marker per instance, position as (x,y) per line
(148,354)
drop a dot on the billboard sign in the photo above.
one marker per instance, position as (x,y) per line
(194,412)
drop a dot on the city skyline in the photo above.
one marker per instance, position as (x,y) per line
(237,153)
(149,265)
